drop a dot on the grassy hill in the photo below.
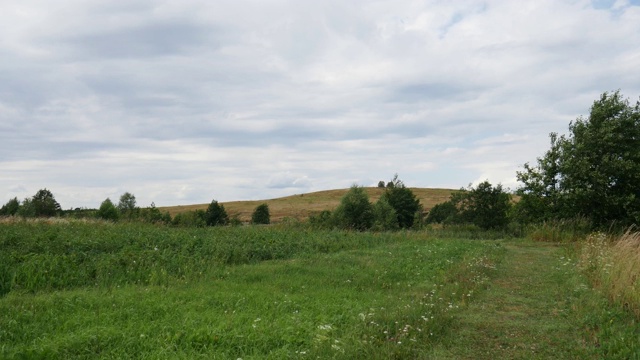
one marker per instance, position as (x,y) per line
(301,205)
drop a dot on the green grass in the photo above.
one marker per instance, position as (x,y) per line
(96,290)
(342,295)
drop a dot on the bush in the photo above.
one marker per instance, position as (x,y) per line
(216,214)
(261,215)
(442,213)
(108,211)
(384,216)
(196,218)
(355,210)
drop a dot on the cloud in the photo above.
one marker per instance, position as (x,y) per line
(182,102)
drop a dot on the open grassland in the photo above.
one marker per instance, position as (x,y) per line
(72,289)
(301,205)
(97,290)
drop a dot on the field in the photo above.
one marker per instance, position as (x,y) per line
(73,289)
(301,205)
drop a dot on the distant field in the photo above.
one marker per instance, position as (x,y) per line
(301,205)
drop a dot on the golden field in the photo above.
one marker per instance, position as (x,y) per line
(299,206)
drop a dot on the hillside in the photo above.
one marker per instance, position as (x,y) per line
(301,205)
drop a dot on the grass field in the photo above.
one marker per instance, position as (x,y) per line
(87,290)
(301,205)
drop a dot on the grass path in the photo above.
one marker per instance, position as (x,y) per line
(524,314)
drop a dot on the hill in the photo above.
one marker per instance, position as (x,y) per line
(299,206)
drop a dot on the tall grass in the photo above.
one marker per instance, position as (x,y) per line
(40,255)
(333,294)
(561,231)
(613,265)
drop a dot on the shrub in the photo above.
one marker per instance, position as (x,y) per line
(196,218)
(384,216)
(355,210)
(216,214)
(261,215)
(108,211)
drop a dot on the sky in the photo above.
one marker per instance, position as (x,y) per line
(186,101)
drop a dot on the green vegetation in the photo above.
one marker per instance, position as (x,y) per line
(105,290)
(592,173)
(261,215)
(108,211)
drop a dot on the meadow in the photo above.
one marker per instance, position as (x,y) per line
(99,290)
(76,289)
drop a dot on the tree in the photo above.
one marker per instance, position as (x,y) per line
(486,206)
(216,214)
(44,204)
(594,172)
(403,201)
(261,215)
(127,204)
(10,208)
(442,213)
(108,211)
(381,184)
(384,216)
(355,211)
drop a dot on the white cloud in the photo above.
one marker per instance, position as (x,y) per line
(185,101)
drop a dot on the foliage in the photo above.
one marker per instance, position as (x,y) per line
(195,218)
(321,220)
(216,214)
(442,213)
(127,205)
(484,206)
(261,215)
(593,172)
(10,208)
(381,184)
(355,210)
(44,204)
(403,201)
(153,215)
(121,284)
(108,211)
(384,216)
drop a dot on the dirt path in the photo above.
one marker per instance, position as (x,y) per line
(524,314)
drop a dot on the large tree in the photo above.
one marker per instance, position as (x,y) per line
(44,204)
(594,172)
(355,210)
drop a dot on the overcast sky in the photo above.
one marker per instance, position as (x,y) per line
(185,101)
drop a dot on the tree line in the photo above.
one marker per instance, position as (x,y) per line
(591,174)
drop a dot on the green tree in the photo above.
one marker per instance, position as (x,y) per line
(127,205)
(10,208)
(261,215)
(108,211)
(404,202)
(355,210)
(381,183)
(44,204)
(442,213)
(384,216)
(216,214)
(594,172)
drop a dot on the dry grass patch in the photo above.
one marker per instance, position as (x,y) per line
(300,206)
(614,266)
